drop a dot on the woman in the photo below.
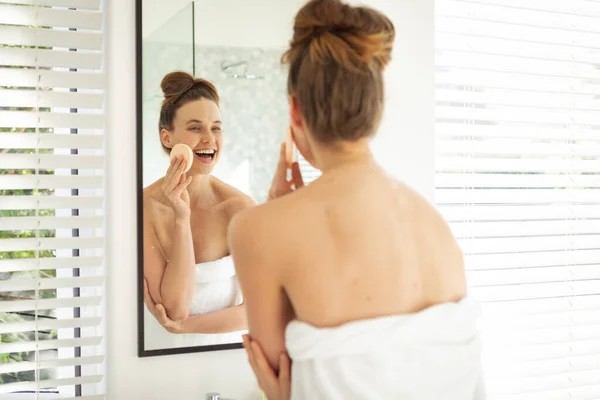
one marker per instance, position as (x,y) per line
(355,276)
(191,285)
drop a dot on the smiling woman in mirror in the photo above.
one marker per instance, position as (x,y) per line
(190,281)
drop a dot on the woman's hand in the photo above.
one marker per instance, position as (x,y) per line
(275,386)
(160,313)
(175,187)
(281,186)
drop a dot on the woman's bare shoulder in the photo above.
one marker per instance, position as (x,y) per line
(233,199)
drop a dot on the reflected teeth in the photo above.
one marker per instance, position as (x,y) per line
(210,152)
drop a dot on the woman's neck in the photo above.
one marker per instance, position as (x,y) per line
(332,157)
(201,190)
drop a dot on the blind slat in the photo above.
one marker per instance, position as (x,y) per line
(42,37)
(486,212)
(51,161)
(517,165)
(26,264)
(51,141)
(546,367)
(483,12)
(50,383)
(561,242)
(523,228)
(573,379)
(450,42)
(547,305)
(44,364)
(517,33)
(48,324)
(40,98)
(51,243)
(519,115)
(49,202)
(475,77)
(11,182)
(42,16)
(32,119)
(536,290)
(13,285)
(47,304)
(504,97)
(519,276)
(584,8)
(79,4)
(50,58)
(498,180)
(532,259)
(32,223)
(517,196)
(43,79)
(49,344)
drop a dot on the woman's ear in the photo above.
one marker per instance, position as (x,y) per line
(299,133)
(165,138)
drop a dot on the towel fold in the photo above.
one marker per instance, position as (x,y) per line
(433,354)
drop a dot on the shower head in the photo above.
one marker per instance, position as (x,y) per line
(226,67)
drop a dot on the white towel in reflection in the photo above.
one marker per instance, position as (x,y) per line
(433,354)
(216,289)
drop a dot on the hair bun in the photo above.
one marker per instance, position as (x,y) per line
(350,36)
(175,84)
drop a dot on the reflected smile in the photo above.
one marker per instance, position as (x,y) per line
(206,156)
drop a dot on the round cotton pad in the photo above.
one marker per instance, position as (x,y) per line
(183,150)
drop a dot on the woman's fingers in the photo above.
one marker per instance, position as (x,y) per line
(147,298)
(171,166)
(182,186)
(169,177)
(174,178)
(285,374)
(297,176)
(162,315)
(261,362)
(246,344)
(281,172)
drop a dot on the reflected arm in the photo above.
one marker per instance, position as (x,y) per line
(223,321)
(171,282)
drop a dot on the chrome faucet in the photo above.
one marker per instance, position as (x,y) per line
(214,396)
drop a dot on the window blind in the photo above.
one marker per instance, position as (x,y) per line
(518,179)
(51,199)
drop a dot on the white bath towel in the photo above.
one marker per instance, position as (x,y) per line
(433,354)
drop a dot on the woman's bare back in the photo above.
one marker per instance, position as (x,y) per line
(358,244)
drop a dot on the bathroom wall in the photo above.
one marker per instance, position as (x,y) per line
(405,147)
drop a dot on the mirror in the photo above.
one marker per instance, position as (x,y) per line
(224,43)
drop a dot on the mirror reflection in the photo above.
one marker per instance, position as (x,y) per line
(214,112)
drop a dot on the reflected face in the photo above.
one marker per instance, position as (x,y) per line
(198,125)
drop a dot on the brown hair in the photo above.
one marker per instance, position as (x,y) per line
(178,89)
(336,58)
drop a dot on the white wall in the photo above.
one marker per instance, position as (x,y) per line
(405,147)
(256,23)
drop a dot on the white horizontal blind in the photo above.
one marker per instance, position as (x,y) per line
(51,199)
(518,178)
